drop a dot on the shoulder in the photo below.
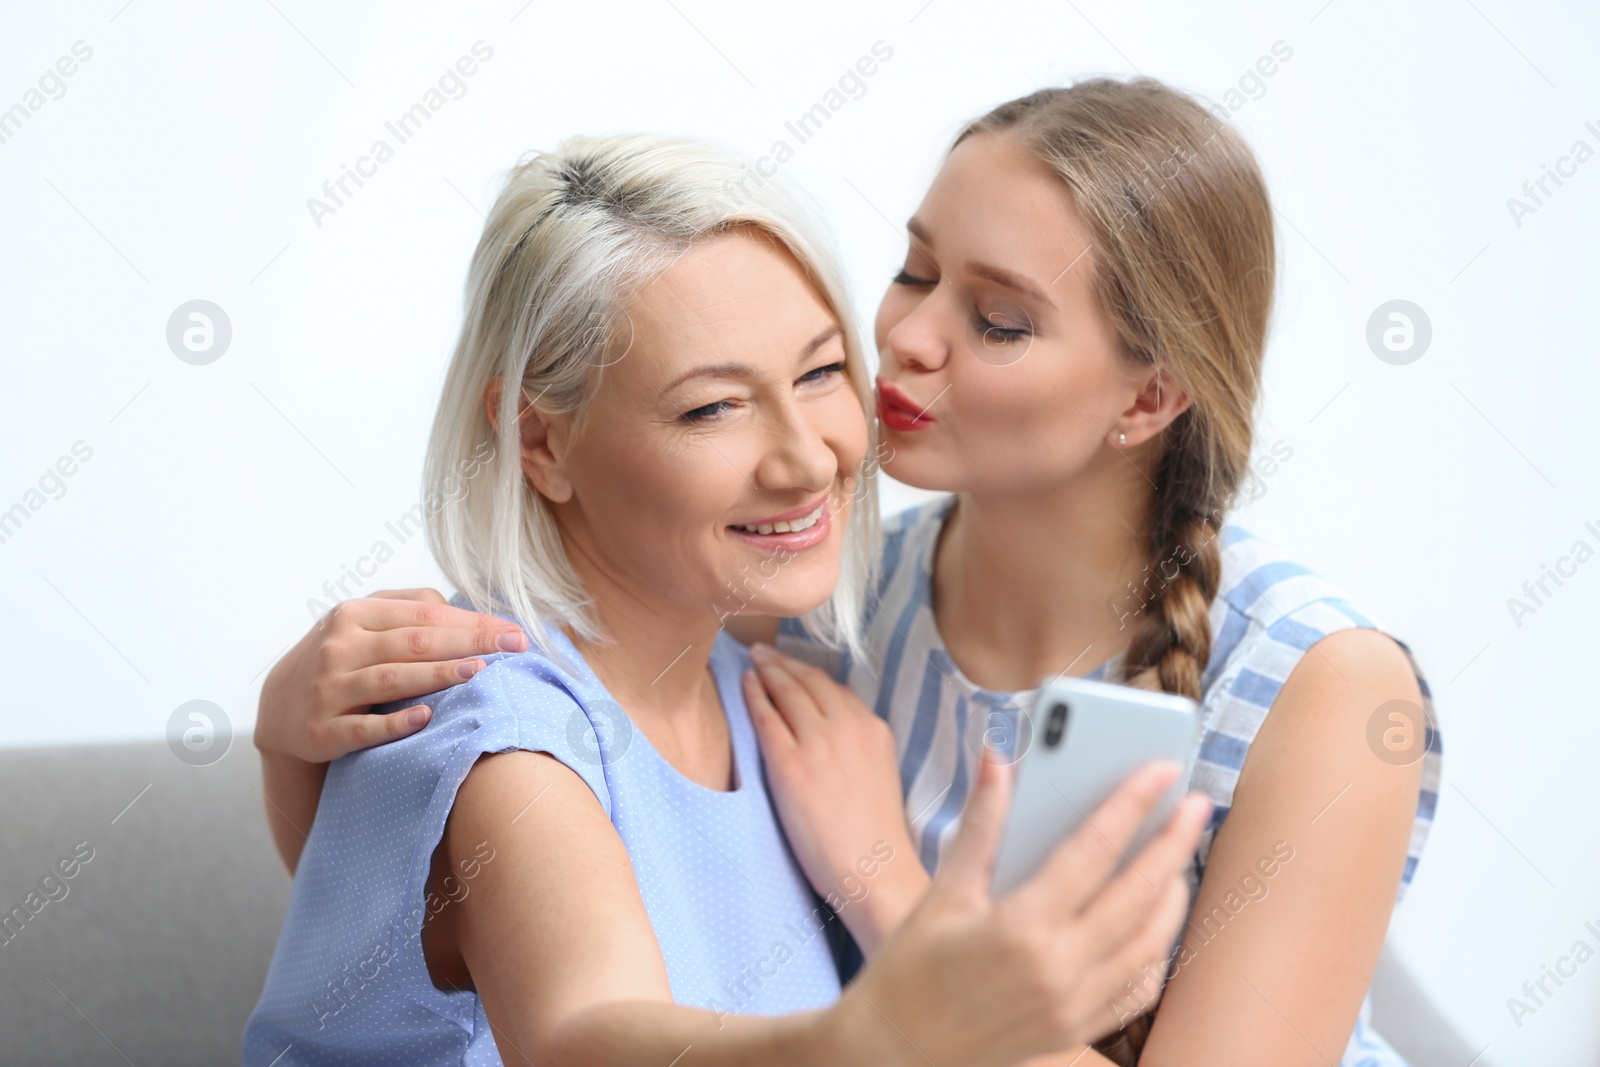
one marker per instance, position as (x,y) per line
(1269,611)
(1275,618)
(514,693)
(1339,686)
(541,700)
(1268,587)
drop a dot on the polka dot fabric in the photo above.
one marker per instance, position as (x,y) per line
(737,924)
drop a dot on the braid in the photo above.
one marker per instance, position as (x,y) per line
(1172,645)
(1169,652)
(1182,232)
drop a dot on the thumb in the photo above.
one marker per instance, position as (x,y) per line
(968,864)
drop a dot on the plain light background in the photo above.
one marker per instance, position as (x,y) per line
(176,165)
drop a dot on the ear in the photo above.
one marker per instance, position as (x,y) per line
(1161,399)
(542,441)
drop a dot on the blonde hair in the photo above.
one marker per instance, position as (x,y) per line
(1183,261)
(572,236)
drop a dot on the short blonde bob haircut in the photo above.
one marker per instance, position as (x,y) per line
(574,233)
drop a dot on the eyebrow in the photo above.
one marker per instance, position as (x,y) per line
(999,275)
(744,370)
(1015,282)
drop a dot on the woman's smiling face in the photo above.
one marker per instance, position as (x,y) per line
(998,370)
(731,413)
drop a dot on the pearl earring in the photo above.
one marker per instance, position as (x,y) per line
(1122,438)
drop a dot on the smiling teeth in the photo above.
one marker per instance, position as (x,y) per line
(805,522)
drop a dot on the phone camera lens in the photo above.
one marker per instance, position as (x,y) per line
(1055,725)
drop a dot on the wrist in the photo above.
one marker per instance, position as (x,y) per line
(894,894)
(851,1032)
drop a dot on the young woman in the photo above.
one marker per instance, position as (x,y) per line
(1072,351)
(543,877)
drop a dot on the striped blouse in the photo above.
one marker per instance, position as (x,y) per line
(1268,613)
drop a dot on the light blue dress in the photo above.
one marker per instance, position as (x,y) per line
(738,925)
(1267,615)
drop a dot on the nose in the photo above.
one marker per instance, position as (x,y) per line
(920,340)
(798,454)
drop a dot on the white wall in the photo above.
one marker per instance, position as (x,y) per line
(176,166)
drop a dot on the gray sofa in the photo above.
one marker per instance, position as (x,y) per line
(153,950)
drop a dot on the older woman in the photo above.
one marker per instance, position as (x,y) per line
(674,394)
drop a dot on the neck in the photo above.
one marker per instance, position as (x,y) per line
(1030,585)
(654,655)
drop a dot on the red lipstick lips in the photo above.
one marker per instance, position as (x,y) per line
(898,411)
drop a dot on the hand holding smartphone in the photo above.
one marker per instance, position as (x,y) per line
(1087,737)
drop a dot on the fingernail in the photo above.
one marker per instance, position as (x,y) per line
(760,650)
(511,641)
(419,716)
(467,669)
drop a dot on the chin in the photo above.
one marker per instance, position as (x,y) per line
(788,595)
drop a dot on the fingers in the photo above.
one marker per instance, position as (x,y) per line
(772,729)
(1079,866)
(1129,898)
(1169,852)
(430,596)
(968,864)
(822,686)
(410,644)
(393,612)
(351,733)
(792,699)
(1143,962)
(381,683)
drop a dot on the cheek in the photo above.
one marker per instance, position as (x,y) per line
(1059,410)
(1032,423)
(1018,407)
(687,488)
(845,430)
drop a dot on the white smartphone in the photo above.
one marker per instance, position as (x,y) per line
(1086,738)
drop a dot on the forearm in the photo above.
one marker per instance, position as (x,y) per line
(292,789)
(652,1032)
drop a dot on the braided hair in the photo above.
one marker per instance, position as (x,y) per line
(1182,233)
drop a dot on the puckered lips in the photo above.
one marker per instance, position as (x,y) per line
(899,411)
(794,530)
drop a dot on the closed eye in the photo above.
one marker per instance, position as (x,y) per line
(906,278)
(997,333)
(705,412)
(820,373)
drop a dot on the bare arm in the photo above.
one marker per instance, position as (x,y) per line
(390,646)
(1301,880)
(559,946)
